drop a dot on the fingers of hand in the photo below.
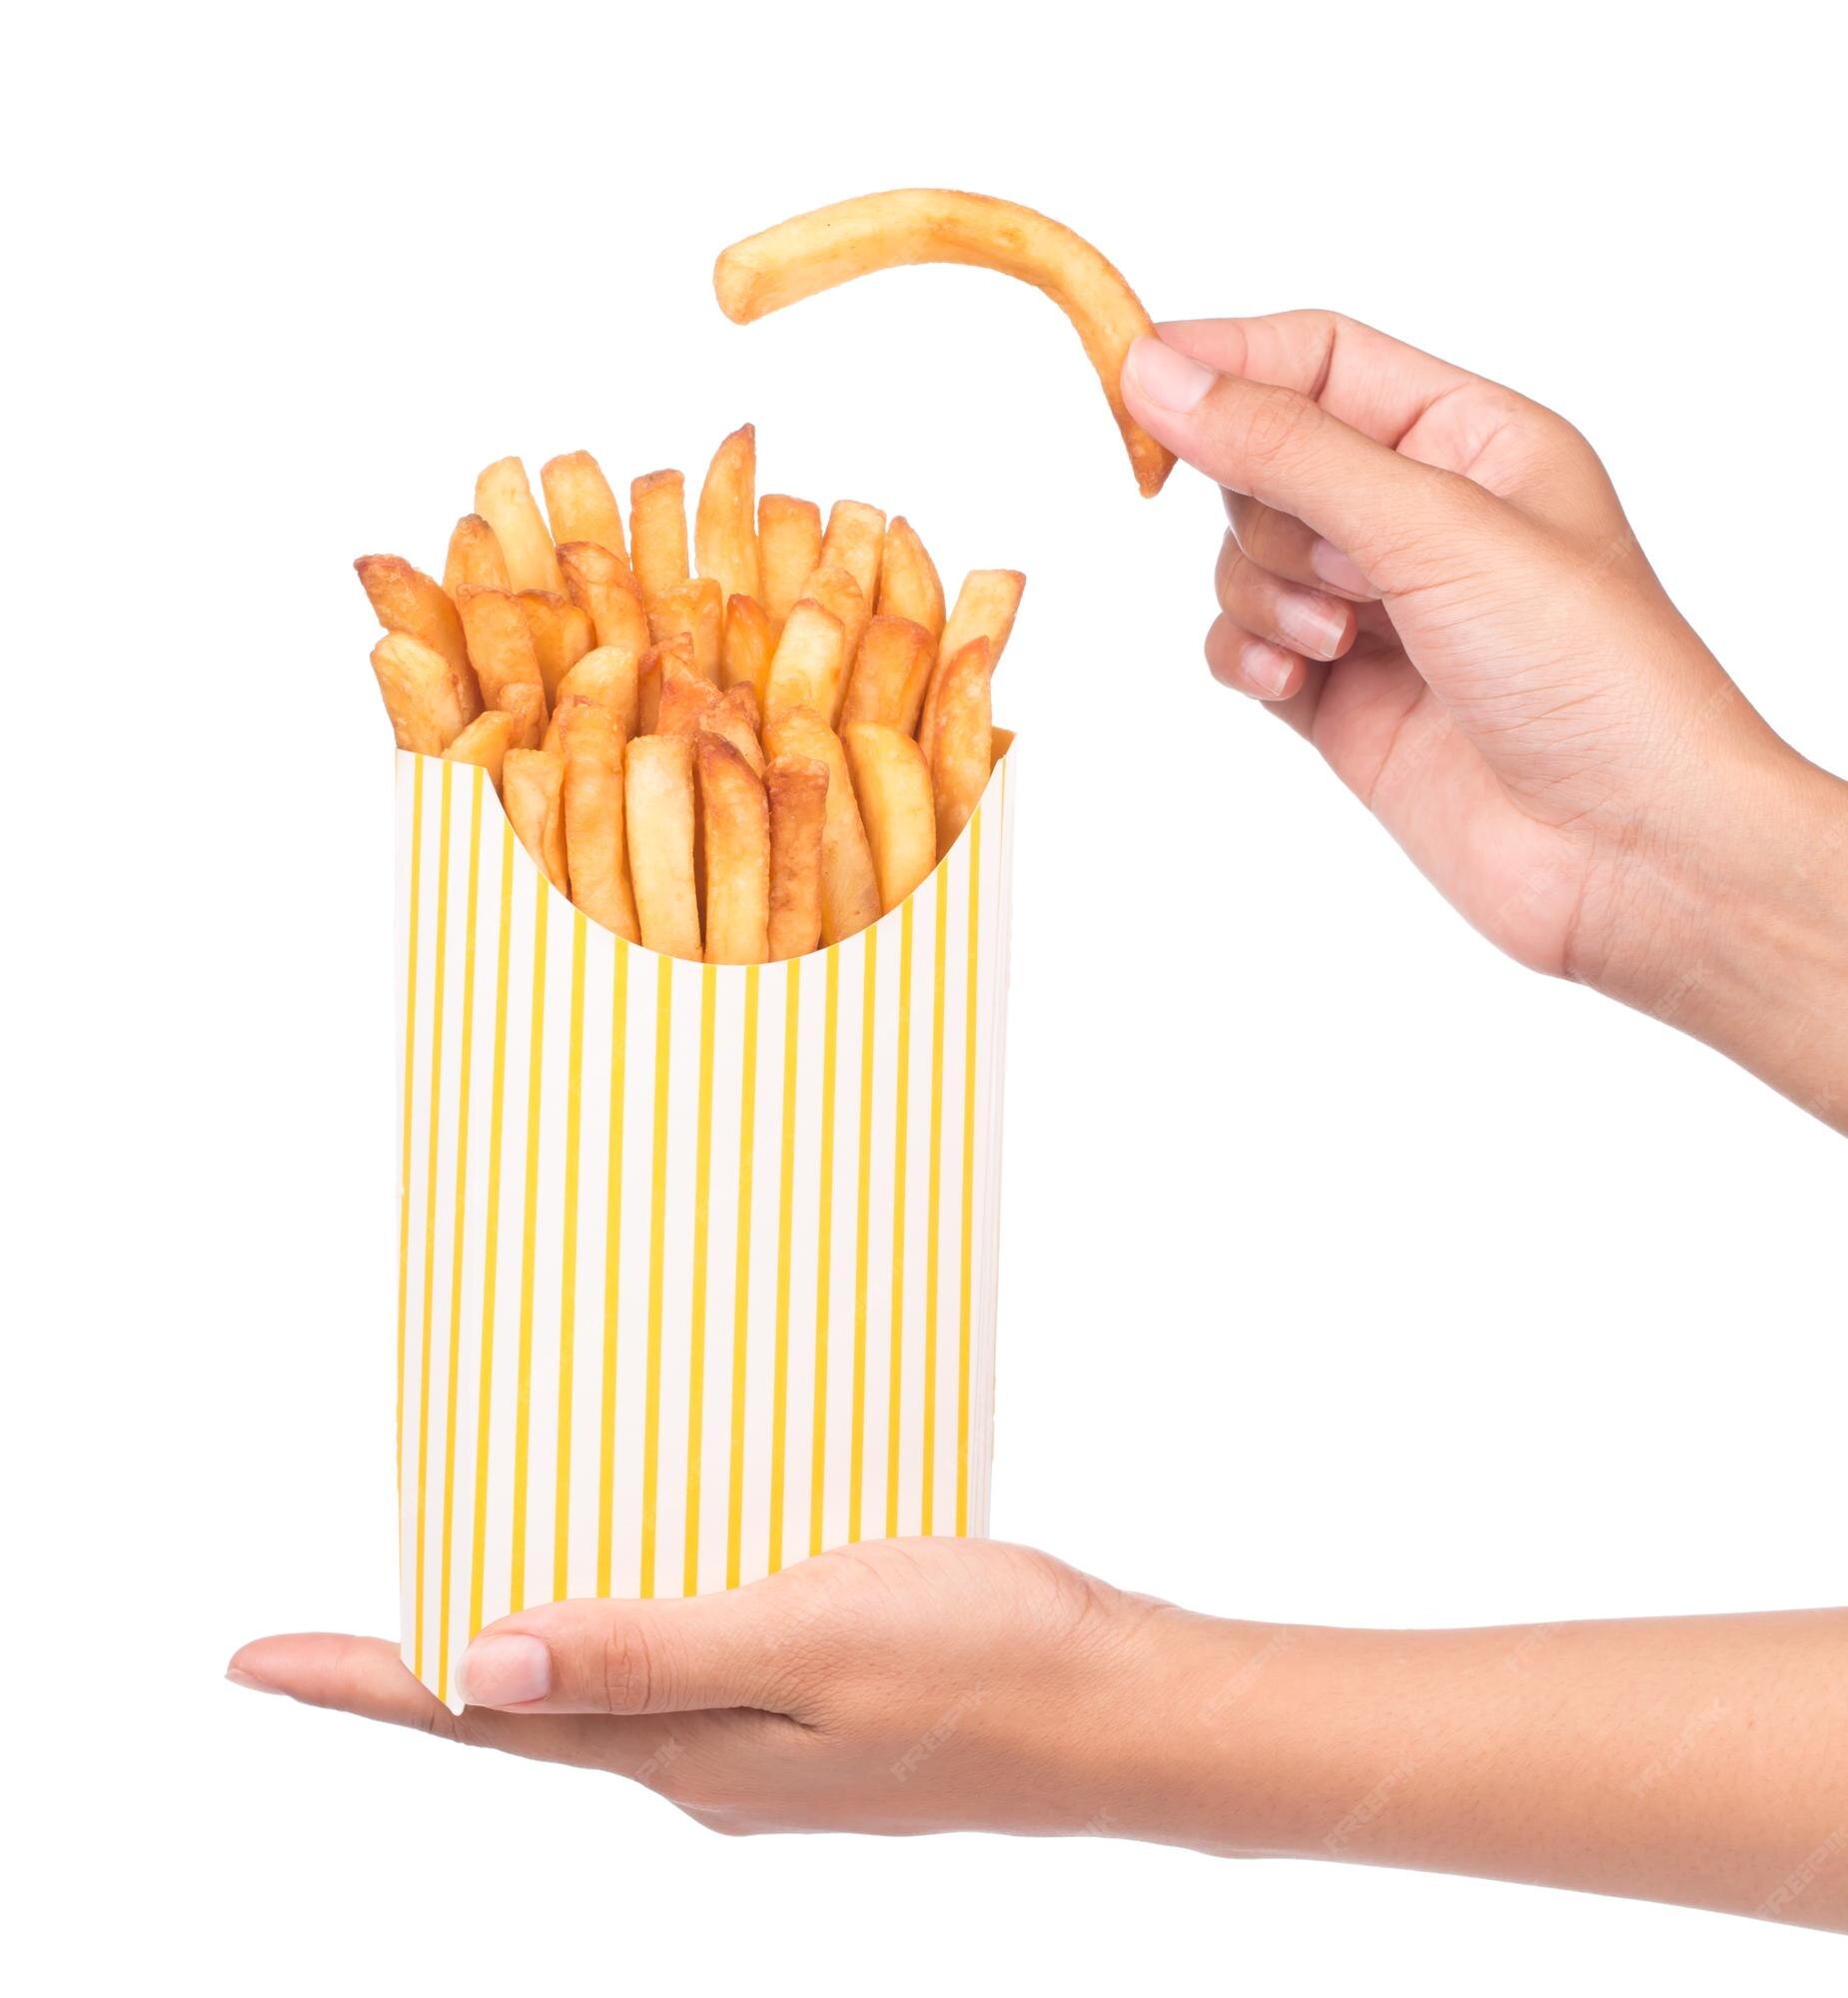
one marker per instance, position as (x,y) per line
(1248,664)
(669,1656)
(1297,620)
(1287,548)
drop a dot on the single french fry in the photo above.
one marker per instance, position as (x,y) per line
(686,695)
(610,675)
(810,252)
(835,591)
(580,506)
(892,783)
(985,607)
(681,646)
(475,556)
(798,793)
(808,664)
(734,716)
(788,552)
(405,599)
(854,541)
(747,646)
(418,687)
(500,644)
(532,790)
(1000,741)
(486,740)
(562,633)
(909,585)
(725,534)
(659,798)
(735,815)
(962,753)
(696,607)
(889,675)
(526,702)
(609,595)
(562,714)
(505,501)
(594,843)
(849,885)
(658,531)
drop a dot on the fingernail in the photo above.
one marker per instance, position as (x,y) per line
(1310,623)
(504,1672)
(1166,377)
(1267,668)
(1332,566)
(239,1677)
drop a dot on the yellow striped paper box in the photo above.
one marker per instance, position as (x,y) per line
(698,1263)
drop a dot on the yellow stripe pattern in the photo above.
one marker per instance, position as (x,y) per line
(623,1436)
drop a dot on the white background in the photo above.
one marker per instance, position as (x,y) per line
(1351,1274)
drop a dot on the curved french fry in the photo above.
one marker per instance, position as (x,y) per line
(812,253)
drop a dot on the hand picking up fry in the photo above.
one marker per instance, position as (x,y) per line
(738,746)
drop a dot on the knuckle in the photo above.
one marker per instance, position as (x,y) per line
(1273,425)
(630,1668)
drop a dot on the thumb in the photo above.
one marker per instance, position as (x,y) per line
(678,1656)
(1405,525)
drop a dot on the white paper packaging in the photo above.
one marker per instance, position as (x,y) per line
(697,1262)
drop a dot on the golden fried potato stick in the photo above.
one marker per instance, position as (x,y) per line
(747,646)
(849,885)
(405,599)
(418,687)
(809,663)
(611,596)
(561,714)
(612,676)
(734,716)
(524,701)
(696,607)
(892,783)
(962,753)
(798,790)
(909,585)
(649,677)
(836,592)
(658,531)
(688,696)
(594,842)
(580,506)
(504,500)
(854,541)
(985,607)
(811,253)
(500,647)
(890,674)
(657,781)
(532,790)
(486,741)
(788,552)
(1001,740)
(734,816)
(475,556)
(724,535)
(562,633)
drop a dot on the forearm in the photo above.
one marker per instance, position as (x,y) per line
(1701,1760)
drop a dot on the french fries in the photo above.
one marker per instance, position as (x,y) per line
(532,790)
(665,744)
(505,501)
(657,791)
(876,232)
(788,551)
(594,842)
(909,585)
(798,793)
(658,531)
(580,506)
(725,531)
(734,818)
(849,884)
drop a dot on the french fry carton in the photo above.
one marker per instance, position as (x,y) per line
(697,1262)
